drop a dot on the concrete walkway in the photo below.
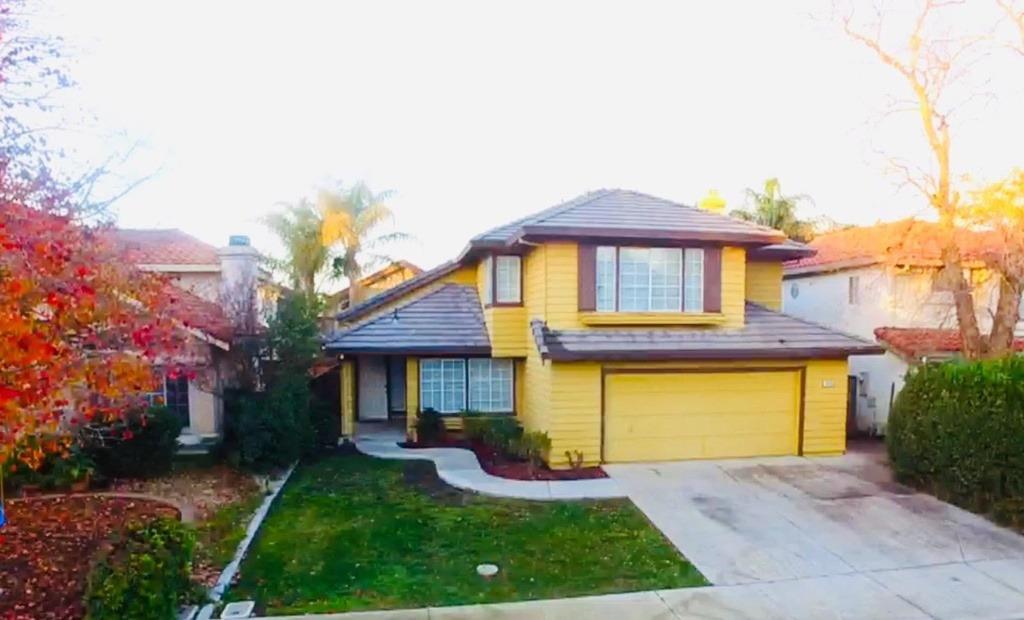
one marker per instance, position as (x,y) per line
(461,469)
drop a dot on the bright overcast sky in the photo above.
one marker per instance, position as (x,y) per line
(477,113)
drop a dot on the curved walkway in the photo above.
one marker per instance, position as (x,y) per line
(461,469)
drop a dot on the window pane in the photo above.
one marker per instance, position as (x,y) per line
(666,279)
(605,271)
(490,383)
(430,384)
(634,280)
(176,389)
(488,294)
(694,294)
(507,273)
(454,386)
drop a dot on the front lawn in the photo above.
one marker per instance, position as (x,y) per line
(351,532)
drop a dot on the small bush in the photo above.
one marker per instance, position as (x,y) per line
(957,429)
(429,426)
(141,445)
(533,447)
(144,573)
(267,430)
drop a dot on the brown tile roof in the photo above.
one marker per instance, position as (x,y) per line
(625,214)
(423,279)
(922,342)
(446,321)
(905,242)
(168,246)
(765,335)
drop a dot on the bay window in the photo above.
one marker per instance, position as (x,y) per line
(456,385)
(632,279)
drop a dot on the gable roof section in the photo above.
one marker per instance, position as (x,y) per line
(766,335)
(626,214)
(904,242)
(446,321)
(196,313)
(916,343)
(168,246)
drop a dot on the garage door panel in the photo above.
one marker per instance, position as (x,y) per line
(665,416)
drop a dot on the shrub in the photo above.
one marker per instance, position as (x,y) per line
(500,433)
(957,429)
(267,430)
(144,573)
(533,447)
(429,426)
(141,445)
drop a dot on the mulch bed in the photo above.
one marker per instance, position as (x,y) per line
(497,464)
(48,544)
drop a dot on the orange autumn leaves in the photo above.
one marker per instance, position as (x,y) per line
(80,328)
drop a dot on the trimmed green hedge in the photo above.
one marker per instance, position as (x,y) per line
(144,573)
(957,429)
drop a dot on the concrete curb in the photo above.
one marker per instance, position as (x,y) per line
(229,572)
(460,468)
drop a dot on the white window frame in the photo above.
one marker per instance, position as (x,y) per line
(508,280)
(491,385)
(457,374)
(150,397)
(692,290)
(606,271)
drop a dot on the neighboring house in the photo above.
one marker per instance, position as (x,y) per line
(221,295)
(377,282)
(881,281)
(627,327)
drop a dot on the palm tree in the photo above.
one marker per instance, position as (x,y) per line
(298,225)
(774,209)
(350,220)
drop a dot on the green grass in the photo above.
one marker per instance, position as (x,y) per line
(351,532)
(219,535)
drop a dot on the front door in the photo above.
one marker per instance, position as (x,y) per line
(396,385)
(372,394)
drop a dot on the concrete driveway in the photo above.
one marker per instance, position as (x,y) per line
(828,537)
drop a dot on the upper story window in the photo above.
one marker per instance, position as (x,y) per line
(507,289)
(502,283)
(632,279)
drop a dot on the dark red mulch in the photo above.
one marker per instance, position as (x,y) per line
(47,546)
(497,464)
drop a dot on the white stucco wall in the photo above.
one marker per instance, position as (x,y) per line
(886,298)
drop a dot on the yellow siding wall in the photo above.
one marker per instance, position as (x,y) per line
(764,284)
(348,402)
(508,329)
(734,276)
(536,376)
(568,405)
(825,407)
(412,396)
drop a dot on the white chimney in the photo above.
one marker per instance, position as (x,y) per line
(239,273)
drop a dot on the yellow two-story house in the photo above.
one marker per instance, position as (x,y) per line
(628,327)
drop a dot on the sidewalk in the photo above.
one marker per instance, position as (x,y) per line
(461,469)
(811,599)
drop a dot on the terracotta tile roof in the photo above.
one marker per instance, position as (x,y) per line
(448,320)
(906,242)
(921,342)
(765,335)
(197,313)
(168,246)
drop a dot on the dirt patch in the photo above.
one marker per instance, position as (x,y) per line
(422,475)
(47,547)
(204,489)
(498,464)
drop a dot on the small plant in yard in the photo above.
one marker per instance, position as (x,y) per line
(533,447)
(142,445)
(430,426)
(145,572)
(575,458)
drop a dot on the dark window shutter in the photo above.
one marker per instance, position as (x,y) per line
(587,278)
(712,279)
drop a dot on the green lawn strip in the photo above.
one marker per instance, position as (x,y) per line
(350,533)
(219,535)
